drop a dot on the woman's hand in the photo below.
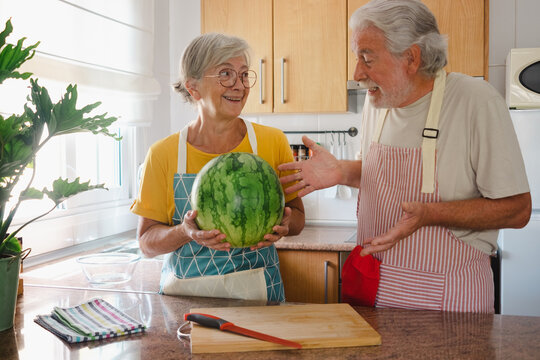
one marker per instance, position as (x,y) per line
(280,231)
(212,239)
(321,171)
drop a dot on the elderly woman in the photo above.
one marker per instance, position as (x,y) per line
(215,77)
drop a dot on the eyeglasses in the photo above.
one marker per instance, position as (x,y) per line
(227,78)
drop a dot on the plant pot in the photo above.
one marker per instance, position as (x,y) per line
(9,283)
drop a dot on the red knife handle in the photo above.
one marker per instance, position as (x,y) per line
(207,320)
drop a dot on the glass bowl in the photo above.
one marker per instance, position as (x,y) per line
(108,268)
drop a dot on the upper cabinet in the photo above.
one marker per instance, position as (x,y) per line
(252,21)
(299,50)
(465,23)
(310,55)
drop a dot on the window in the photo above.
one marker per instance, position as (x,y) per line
(98,159)
(108,52)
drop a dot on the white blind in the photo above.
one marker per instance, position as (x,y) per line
(105,47)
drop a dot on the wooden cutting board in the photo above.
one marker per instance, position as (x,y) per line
(312,325)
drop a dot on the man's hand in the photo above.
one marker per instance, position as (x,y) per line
(413,218)
(322,170)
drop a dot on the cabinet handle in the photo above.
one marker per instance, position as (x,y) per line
(326,264)
(283,80)
(261,100)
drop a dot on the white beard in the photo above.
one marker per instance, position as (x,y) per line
(390,98)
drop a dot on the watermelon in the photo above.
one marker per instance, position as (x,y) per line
(240,195)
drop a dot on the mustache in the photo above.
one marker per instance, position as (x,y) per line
(366,84)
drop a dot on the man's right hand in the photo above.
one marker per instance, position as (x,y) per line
(321,171)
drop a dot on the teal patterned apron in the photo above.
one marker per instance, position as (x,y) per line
(193,261)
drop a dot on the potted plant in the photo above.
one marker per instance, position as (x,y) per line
(21,137)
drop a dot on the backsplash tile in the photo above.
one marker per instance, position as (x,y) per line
(527,25)
(324,205)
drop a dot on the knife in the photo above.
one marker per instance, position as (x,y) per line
(224,325)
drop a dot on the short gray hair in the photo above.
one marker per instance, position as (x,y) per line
(207,51)
(405,23)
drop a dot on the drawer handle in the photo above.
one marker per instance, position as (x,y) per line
(283,80)
(326,264)
(261,100)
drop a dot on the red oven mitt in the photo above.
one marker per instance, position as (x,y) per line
(360,278)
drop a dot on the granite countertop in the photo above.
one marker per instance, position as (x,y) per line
(406,334)
(322,238)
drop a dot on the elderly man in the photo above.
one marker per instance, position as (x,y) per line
(440,169)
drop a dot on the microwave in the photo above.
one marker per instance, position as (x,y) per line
(523,78)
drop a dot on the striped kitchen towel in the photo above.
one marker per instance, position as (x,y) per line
(93,320)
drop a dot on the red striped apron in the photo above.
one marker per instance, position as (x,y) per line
(430,269)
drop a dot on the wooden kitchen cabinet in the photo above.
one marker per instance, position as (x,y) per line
(465,22)
(302,46)
(303,274)
(252,21)
(311,37)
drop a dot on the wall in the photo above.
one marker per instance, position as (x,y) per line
(512,24)
(327,205)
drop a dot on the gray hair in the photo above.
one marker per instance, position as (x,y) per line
(405,23)
(204,52)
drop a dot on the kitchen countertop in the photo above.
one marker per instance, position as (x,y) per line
(406,334)
(322,238)
(66,272)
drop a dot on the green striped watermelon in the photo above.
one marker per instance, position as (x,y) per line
(240,195)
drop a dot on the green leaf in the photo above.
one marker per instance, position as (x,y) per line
(11,245)
(63,189)
(5,194)
(39,96)
(4,34)
(64,117)
(31,194)
(18,142)
(12,57)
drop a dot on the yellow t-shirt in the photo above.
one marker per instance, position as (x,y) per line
(156,194)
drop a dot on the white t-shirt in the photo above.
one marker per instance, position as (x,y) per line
(477,150)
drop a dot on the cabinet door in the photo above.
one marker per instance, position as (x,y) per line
(464,22)
(310,56)
(351,56)
(252,21)
(306,274)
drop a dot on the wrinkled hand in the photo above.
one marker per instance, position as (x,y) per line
(212,238)
(319,172)
(280,231)
(413,217)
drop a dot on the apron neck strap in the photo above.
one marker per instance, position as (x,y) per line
(251,136)
(430,132)
(182,143)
